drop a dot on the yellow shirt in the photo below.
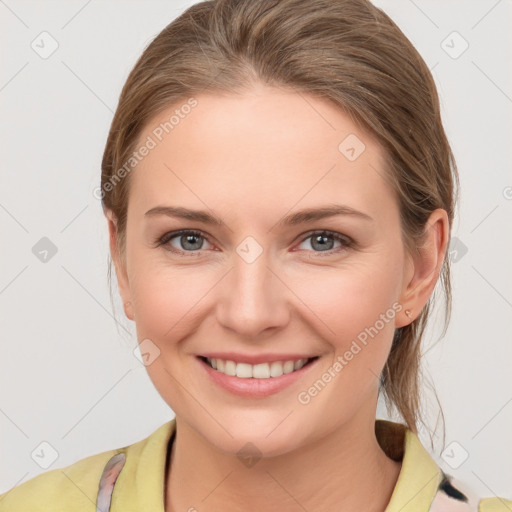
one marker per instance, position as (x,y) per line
(134,480)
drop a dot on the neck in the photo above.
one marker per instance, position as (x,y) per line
(344,471)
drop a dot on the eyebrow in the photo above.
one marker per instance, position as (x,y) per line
(300,217)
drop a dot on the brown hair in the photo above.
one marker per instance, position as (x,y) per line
(347,52)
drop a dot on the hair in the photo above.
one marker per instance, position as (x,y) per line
(346,52)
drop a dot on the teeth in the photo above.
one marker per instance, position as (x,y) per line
(244,370)
(299,364)
(257,371)
(277,368)
(289,366)
(230,368)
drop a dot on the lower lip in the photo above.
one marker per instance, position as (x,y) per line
(255,388)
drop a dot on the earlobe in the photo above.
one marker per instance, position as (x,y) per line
(427,261)
(128,311)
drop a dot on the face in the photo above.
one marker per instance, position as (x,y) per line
(264,283)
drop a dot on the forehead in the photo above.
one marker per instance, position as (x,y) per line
(260,146)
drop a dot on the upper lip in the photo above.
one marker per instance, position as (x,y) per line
(256,358)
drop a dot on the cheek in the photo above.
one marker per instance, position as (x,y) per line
(348,300)
(341,301)
(168,299)
(355,310)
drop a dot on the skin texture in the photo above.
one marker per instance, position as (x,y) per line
(252,159)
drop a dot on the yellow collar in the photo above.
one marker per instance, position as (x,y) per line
(419,477)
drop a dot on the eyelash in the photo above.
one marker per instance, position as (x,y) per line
(167,237)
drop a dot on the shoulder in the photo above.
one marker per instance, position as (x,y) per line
(89,482)
(453,496)
(422,484)
(75,486)
(494,505)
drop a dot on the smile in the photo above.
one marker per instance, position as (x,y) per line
(256,371)
(258,380)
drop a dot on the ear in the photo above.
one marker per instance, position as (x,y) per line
(120,265)
(424,266)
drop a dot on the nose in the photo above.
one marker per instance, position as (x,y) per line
(254,299)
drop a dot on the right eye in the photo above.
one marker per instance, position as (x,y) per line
(188,241)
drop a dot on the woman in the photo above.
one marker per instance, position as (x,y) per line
(279,193)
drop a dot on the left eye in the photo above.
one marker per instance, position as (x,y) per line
(320,241)
(191,241)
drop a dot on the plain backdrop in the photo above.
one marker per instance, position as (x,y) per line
(69,377)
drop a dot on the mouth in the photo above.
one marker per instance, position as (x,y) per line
(271,370)
(257,381)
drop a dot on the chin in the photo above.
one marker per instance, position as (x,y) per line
(265,434)
(247,446)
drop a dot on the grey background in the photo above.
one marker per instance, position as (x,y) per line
(68,373)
